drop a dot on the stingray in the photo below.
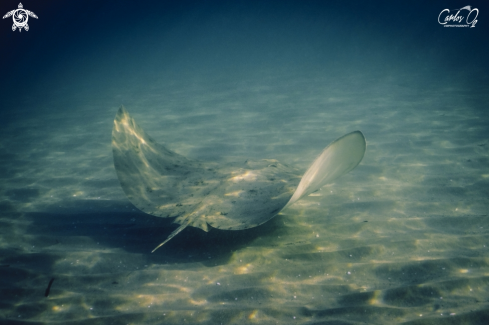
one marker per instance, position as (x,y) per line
(165,184)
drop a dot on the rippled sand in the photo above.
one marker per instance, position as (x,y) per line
(402,238)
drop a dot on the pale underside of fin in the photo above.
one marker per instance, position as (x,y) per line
(337,159)
(163,183)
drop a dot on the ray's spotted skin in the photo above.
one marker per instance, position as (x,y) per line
(165,184)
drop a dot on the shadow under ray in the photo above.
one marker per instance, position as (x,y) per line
(139,233)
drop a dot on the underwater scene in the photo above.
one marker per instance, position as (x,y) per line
(302,162)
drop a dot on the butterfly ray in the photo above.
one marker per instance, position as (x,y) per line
(165,184)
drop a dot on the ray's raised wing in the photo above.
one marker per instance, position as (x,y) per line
(156,180)
(337,159)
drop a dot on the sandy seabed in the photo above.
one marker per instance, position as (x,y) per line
(401,239)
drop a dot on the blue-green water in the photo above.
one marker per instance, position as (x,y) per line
(401,239)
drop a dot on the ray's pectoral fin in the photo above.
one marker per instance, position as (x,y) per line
(156,180)
(337,159)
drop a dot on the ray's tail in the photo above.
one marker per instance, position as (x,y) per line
(173,234)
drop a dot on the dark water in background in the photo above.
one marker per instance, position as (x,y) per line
(403,238)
